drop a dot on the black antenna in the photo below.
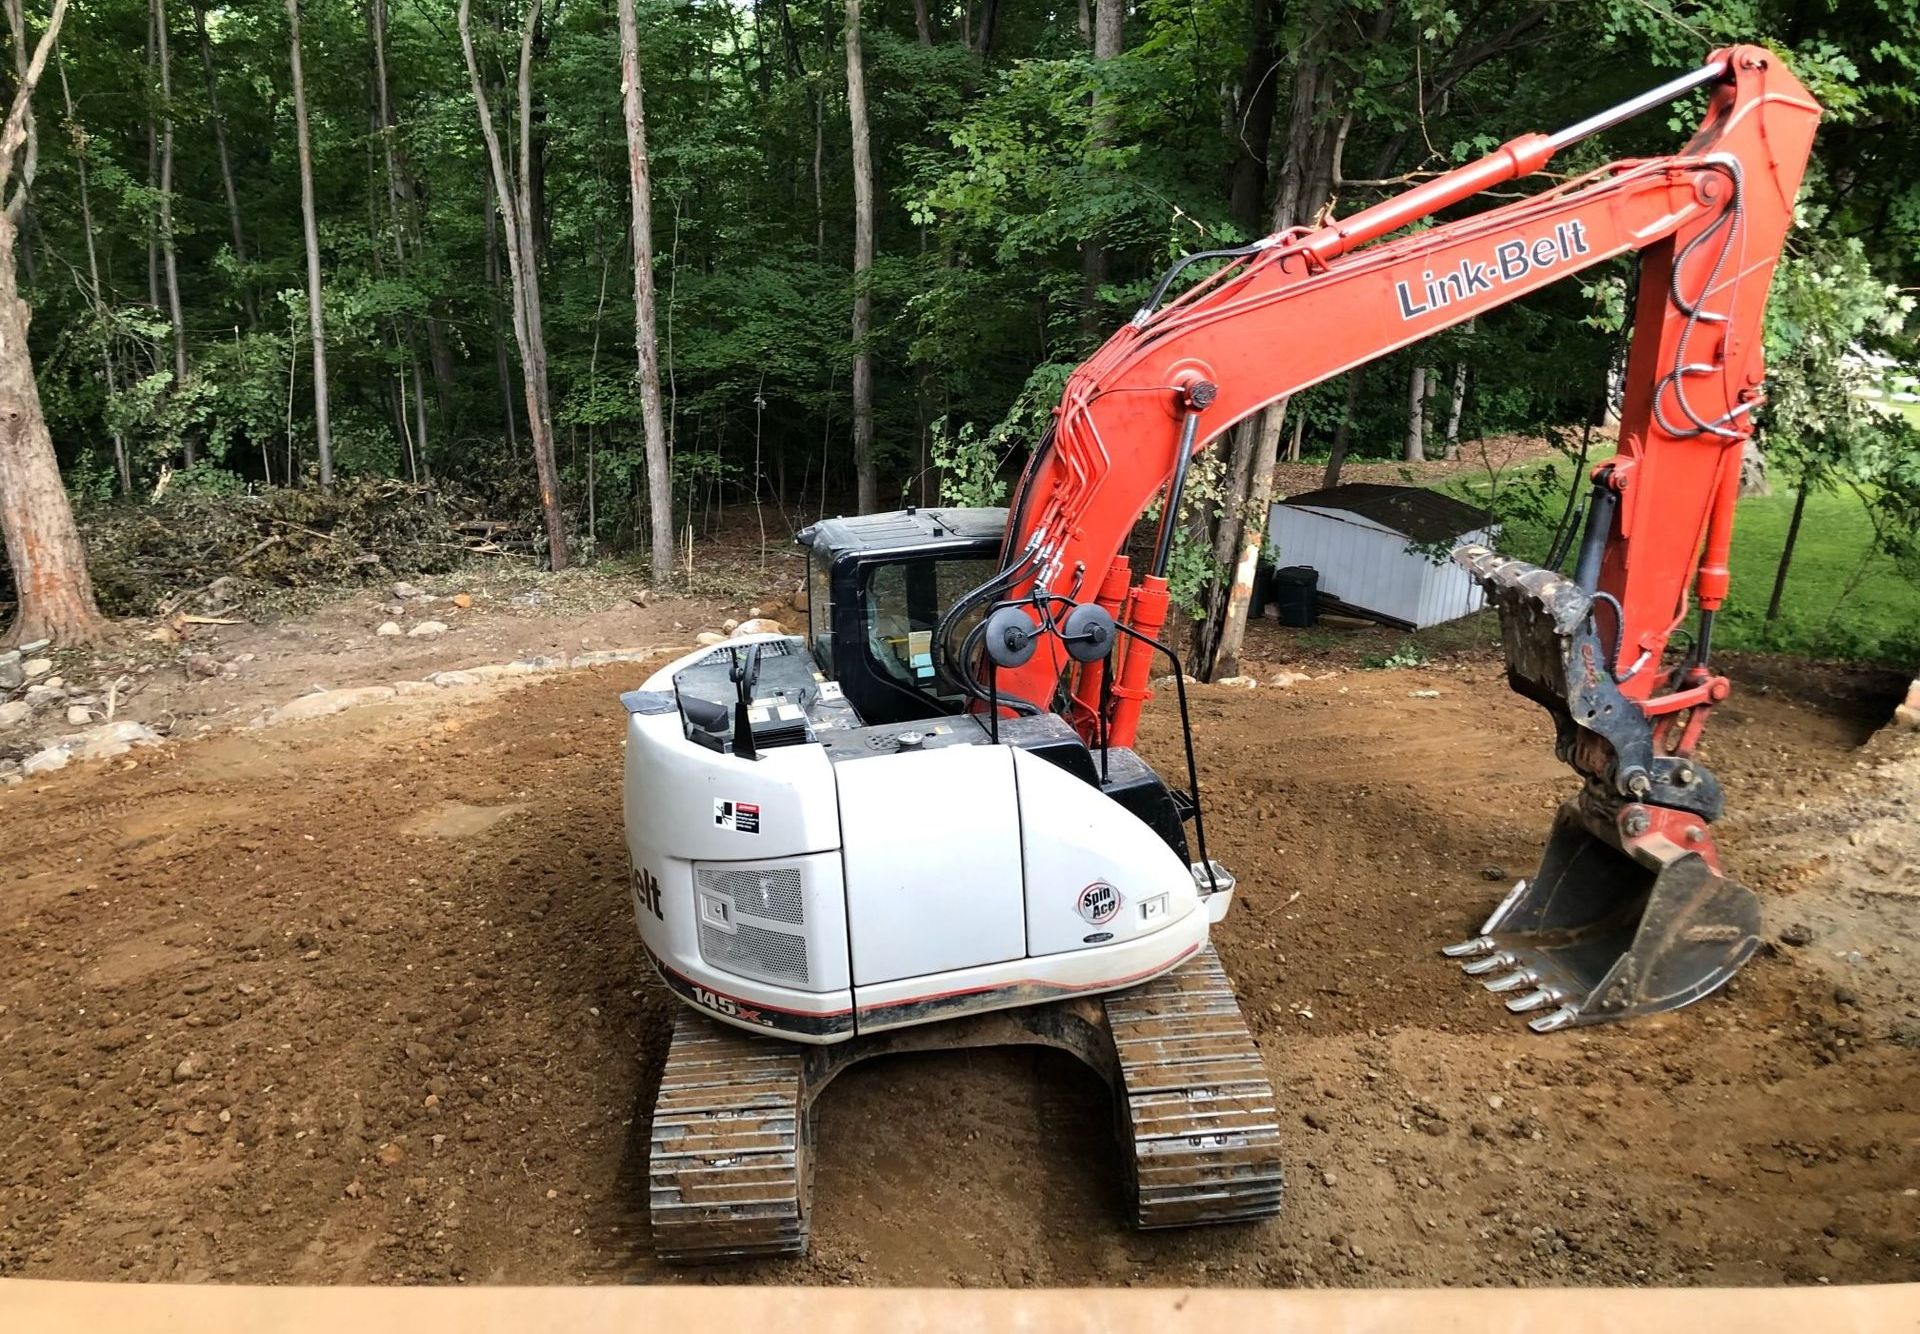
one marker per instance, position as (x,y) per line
(745,675)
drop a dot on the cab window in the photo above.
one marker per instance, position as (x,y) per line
(904,602)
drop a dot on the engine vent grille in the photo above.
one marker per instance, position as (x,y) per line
(772,892)
(760,897)
(755,952)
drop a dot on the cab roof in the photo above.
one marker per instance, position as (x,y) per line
(903,530)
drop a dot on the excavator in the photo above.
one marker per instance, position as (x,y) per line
(923,824)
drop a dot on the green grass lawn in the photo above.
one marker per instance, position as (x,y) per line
(1843,600)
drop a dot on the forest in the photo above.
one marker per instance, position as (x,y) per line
(608,271)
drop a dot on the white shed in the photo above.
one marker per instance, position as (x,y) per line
(1375,548)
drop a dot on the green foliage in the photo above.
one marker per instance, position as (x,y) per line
(996,173)
(969,467)
(1408,654)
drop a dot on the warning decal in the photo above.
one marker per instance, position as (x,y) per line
(743,817)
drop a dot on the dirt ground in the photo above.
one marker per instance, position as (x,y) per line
(360,1000)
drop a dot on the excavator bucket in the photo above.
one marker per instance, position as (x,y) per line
(1629,912)
(1604,931)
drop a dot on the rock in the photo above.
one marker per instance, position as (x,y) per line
(1841,995)
(462,600)
(533,597)
(39,695)
(389,629)
(35,668)
(448,680)
(1284,679)
(78,715)
(55,683)
(1329,1179)
(1238,682)
(51,760)
(729,625)
(427,630)
(1496,1102)
(201,666)
(13,713)
(12,677)
(708,638)
(187,1069)
(355,1190)
(799,599)
(1423,694)
(403,590)
(759,625)
(1493,873)
(600,657)
(1797,934)
(110,740)
(392,1155)
(533,666)
(408,689)
(327,702)
(35,646)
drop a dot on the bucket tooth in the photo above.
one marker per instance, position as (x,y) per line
(1534,1000)
(1512,981)
(1466,949)
(1553,1023)
(1492,963)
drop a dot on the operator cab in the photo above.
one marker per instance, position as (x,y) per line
(877,586)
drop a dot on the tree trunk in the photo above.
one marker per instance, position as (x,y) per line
(122,466)
(167,255)
(218,123)
(1233,634)
(36,519)
(524,284)
(646,346)
(1109,38)
(1305,185)
(1252,138)
(922,22)
(1456,404)
(316,315)
(1343,432)
(1416,445)
(1753,470)
(1786,554)
(502,363)
(867,482)
(983,36)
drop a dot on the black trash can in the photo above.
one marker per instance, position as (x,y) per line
(1296,594)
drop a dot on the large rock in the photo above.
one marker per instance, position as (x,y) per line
(759,625)
(388,629)
(35,668)
(1908,714)
(51,760)
(11,673)
(427,630)
(104,742)
(13,713)
(328,702)
(110,739)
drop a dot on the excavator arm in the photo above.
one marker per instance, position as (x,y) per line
(1294,309)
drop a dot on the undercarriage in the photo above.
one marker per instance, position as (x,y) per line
(732,1141)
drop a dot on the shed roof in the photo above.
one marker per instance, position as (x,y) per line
(1412,511)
